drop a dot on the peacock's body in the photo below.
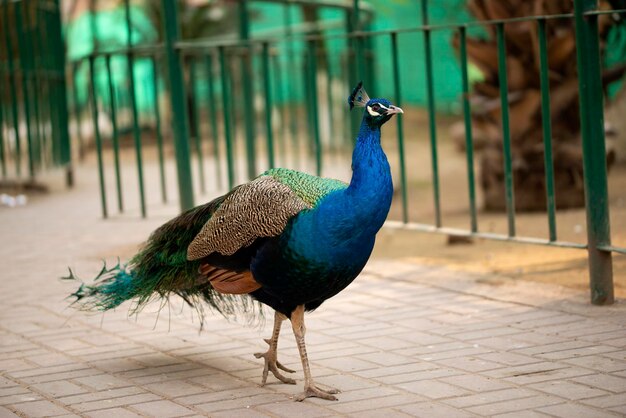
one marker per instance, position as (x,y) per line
(286,239)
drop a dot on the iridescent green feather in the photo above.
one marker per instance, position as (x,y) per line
(311,189)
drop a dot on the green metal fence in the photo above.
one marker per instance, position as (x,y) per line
(33,106)
(230,103)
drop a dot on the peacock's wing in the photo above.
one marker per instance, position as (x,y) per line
(255,210)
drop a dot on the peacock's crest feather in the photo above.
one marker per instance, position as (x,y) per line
(358,97)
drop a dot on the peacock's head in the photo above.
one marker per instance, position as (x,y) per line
(377,111)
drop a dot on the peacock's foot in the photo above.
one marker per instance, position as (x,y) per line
(312,391)
(272,365)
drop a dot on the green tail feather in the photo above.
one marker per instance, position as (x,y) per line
(161,269)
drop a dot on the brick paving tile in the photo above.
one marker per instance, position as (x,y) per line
(476,383)
(470,364)
(403,340)
(102,382)
(568,390)
(113,412)
(60,388)
(409,367)
(514,405)
(239,413)
(378,412)
(486,397)
(433,389)
(292,409)
(7,413)
(433,373)
(19,397)
(525,414)
(602,363)
(536,372)
(110,403)
(162,408)
(39,409)
(384,358)
(608,401)
(577,352)
(245,402)
(434,354)
(181,388)
(603,381)
(375,403)
(433,410)
(575,411)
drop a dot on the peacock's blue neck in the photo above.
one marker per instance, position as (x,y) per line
(346,221)
(371,187)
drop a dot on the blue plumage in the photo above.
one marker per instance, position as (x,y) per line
(287,239)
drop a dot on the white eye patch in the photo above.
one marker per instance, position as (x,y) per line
(371,112)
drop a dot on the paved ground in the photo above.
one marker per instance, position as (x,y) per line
(403,340)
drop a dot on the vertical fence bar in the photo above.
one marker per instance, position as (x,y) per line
(133,106)
(291,69)
(195,113)
(159,131)
(506,135)
(12,87)
(314,104)
(61,119)
(398,98)
(212,107)
(3,161)
(226,105)
(469,140)
(280,99)
(96,130)
(329,96)
(247,88)
(114,134)
(430,94)
(25,75)
(177,104)
(353,76)
(32,80)
(267,85)
(41,83)
(79,131)
(594,152)
(547,127)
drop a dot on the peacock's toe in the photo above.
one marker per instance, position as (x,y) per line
(313,391)
(272,365)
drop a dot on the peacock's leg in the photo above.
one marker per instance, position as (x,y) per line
(270,356)
(310,389)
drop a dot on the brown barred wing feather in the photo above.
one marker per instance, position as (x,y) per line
(258,209)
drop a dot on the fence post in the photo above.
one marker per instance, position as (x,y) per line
(594,152)
(178,104)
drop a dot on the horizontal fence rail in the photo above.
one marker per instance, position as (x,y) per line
(240,106)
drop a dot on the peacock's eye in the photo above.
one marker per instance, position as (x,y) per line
(375,107)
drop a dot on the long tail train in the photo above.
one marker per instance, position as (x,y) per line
(161,269)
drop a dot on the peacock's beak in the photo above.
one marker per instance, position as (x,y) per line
(394,109)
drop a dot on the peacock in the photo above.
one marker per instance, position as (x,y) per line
(286,239)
